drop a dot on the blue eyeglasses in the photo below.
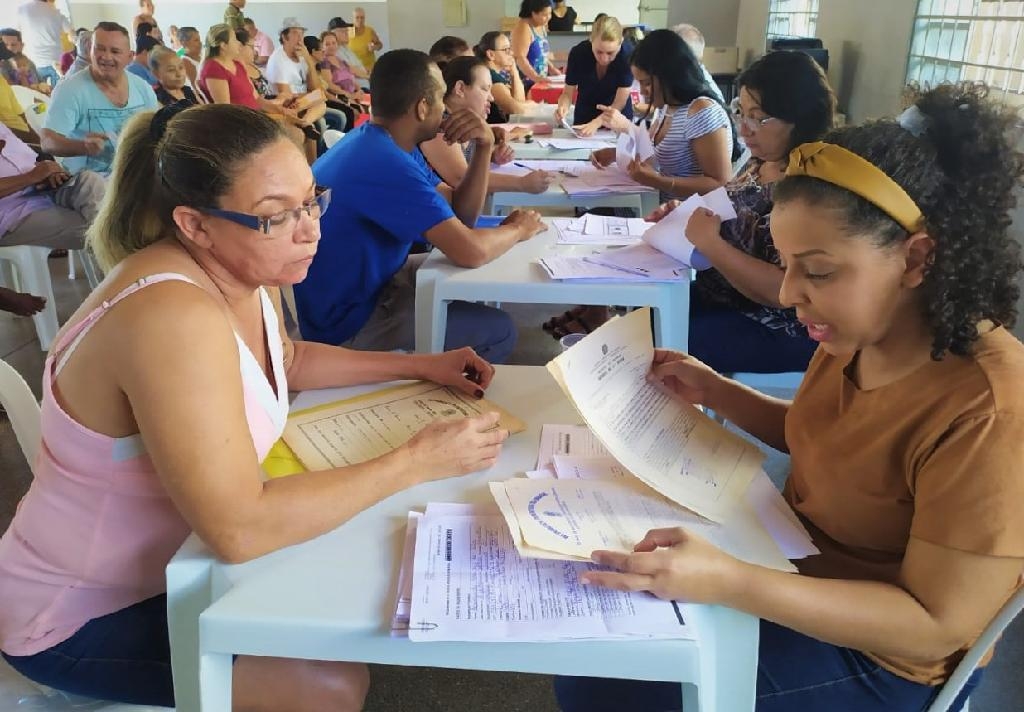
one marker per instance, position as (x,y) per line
(282,223)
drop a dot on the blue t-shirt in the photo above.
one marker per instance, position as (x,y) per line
(142,72)
(79,107)
(384,200)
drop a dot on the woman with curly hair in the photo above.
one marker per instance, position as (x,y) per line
(906,436)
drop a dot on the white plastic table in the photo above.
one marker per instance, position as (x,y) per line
(333,598)
(515,277)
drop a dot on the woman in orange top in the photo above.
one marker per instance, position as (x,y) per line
(906,436)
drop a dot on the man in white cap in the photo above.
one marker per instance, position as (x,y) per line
(694,38)
(288,67)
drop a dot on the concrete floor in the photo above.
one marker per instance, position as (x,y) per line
(429,689)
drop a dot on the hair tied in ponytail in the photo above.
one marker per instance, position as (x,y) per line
(158,126)
(914,121)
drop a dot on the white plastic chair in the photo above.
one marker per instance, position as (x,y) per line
(963,671)
(34,104)
(32,274)
(332,136)
(22,410)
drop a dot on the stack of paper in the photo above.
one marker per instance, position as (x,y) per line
(657,462)
(463,580)
(590,229)
(669,234)
(642,260)
(573,143)
(565,267)
(522,167)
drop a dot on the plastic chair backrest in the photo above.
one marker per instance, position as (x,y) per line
(33,103)
(963,671)
(22,408)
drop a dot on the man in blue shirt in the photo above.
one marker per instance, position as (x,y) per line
(360,290)
(140,65)
(90,108)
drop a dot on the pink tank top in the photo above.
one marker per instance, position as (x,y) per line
(97,529)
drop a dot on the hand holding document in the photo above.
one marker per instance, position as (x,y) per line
(669,234)
(469,584)
(633,144)
(668,444)
(572,518)
(362,428)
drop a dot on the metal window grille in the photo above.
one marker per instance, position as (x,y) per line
(970,40)
(792,18)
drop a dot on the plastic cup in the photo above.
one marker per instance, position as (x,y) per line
(570,340)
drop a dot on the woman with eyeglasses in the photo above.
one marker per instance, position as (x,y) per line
(165,391)
(737,323)
(507,89)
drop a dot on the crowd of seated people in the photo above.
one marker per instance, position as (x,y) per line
(197,175)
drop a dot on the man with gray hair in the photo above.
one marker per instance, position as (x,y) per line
(694,39)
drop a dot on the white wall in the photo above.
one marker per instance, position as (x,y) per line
(867,42)
(717,20)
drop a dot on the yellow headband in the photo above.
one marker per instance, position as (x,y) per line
(838,166)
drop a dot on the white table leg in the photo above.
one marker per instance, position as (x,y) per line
(672,319)
(214,682)
(188,595)
(439,324)
(649,202)
(426,284)
(728,660)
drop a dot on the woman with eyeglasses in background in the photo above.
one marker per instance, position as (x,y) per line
(737,323)
(507,89)
(165,391)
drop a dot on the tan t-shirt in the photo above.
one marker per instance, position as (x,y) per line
(937,455)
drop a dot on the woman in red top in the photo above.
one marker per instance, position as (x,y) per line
(223,78)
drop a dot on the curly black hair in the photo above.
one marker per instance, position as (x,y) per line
(962,172)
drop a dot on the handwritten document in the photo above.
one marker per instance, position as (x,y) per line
(669,445)
(360,429)
(470,584)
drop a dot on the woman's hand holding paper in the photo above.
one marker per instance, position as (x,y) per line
(673,564)
(683,376)
(662,210)
(703,228)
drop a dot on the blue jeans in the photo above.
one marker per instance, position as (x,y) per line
(795,673)
(122,657)
(731,342)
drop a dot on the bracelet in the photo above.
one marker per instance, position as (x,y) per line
(672,187)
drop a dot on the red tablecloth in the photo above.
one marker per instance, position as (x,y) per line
(545,93)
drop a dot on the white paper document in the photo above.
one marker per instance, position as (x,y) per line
(590,229)
(669,234)
(572,144)
(470,584)
(635,143)
(668,444)
(521,167)
(641,259)
(571,518)
(575,440)
(564,267)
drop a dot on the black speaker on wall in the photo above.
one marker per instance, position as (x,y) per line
(808,45)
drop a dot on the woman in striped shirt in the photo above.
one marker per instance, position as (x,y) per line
(694,141)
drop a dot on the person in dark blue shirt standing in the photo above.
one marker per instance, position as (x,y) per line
(360,290)
(600,71)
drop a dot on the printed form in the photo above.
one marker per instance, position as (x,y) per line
(470,584)
(360,429)
(669,445)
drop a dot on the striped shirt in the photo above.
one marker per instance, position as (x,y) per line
(674,153)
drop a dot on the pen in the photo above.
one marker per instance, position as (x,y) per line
(521,165)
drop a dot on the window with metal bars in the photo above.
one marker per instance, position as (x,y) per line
(792,18)
(970,40)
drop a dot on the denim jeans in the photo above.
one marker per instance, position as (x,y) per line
(795,673)
(122,657)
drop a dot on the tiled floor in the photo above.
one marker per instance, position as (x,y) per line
(429,689)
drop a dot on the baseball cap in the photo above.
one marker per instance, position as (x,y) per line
(338,23)
(290,22)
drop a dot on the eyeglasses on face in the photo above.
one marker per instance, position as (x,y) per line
(752,125)
(278,224)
